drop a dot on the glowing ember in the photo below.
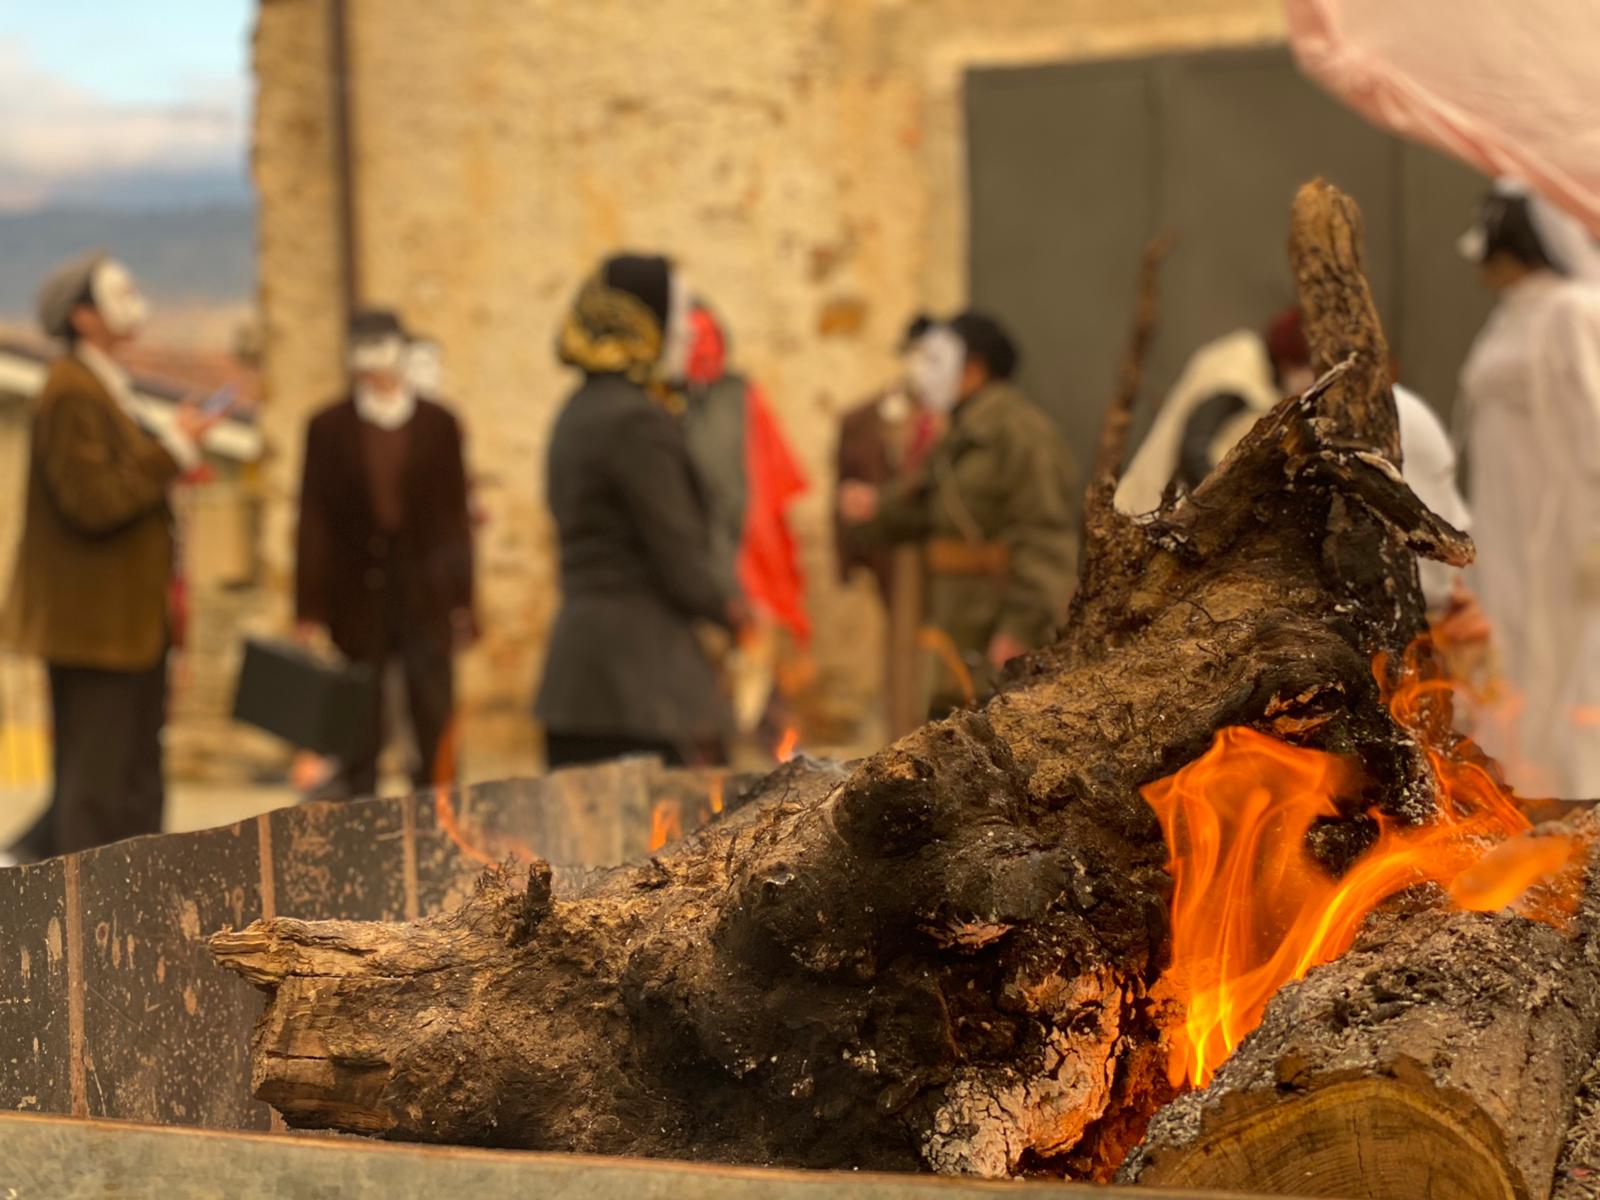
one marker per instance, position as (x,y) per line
(1251,910)
(309,771)
(788,744)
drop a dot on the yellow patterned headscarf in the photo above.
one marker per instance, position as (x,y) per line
(611,332)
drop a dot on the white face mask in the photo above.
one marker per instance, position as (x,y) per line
(934,364)
(425,368)
(677,336)
(385,409)
(1472,244)
(117,299)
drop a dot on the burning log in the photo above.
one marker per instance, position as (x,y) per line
(946,957)
(1443,1056)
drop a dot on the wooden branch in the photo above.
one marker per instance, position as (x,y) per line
(1376,483)
(1102,522)
(1340,318)
(1114,546)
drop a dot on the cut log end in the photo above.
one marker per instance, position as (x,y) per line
(1368,1136)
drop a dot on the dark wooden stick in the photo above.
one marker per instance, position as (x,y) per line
(1102,523)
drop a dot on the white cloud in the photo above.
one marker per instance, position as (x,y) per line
(59,142)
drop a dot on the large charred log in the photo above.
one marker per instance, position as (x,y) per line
(939,958)
(1578,1172)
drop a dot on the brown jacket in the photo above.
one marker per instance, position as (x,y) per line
(94,564)
(876,449)
(360,582)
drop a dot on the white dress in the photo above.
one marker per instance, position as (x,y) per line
(1531,395)
(1429,468)
(1236,362)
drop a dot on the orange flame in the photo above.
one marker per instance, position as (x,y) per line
(666,822)
(943,646)
(444,782)
(788,745)
(1252,910)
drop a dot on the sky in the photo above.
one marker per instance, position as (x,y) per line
(123,103)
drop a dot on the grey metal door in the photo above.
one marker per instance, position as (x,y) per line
(1073,166)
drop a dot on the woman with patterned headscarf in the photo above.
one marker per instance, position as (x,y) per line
(626,673)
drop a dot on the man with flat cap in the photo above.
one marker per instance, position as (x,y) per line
(991,507)
(94,565)
(385,561)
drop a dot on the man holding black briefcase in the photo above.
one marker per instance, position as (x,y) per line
(385,563)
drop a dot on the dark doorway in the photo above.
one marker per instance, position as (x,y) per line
(1073,166)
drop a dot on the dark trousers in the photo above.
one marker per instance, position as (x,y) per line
(428,670)
(108,772)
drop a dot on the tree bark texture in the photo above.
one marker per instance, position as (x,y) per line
(1578,1172)
(940,957)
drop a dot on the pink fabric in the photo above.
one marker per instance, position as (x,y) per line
(1511,87)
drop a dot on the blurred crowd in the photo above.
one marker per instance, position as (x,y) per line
(670,482)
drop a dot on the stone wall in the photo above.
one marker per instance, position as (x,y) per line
(803,158)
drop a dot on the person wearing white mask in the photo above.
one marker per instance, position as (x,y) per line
(1530,395)
(992,507)
(881,438)
(95,562)
(425,367)
(384,559)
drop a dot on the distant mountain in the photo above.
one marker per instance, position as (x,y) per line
(190,258)
(147,187)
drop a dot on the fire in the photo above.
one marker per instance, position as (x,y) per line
(666,822)
(788,745)
(939,643)
(1252,910)
(444,811)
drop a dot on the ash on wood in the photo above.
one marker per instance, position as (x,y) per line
(941,957)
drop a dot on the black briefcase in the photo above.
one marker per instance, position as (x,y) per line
(302,697)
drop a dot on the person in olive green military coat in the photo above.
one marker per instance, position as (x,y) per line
(992,506)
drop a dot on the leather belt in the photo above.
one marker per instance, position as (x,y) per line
(957,556)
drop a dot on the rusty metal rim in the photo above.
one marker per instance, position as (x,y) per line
(63,1150)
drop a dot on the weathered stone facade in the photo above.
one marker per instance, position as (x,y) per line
(803,158)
